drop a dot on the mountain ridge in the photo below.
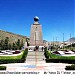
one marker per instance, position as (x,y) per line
(12,36)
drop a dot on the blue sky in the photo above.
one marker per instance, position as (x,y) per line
(56,17)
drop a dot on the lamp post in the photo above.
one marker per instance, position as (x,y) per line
(56,44)
(70,42)
(53,41)
(63,41)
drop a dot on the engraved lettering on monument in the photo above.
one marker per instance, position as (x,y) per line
(37,35)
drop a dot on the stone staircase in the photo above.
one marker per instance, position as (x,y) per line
(35,57)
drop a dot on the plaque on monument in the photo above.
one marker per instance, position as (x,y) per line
(36,36)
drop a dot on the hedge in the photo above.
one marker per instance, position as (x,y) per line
(56,58)
(60,61)
(2,67)
(72,67)
(14,59)
(46,53)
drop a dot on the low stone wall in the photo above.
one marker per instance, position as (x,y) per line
(12,54)
(64,53)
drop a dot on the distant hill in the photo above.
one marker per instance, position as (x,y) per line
(12,36)
(72,40)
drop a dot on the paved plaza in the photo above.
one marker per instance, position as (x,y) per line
(39,67)
(35,61)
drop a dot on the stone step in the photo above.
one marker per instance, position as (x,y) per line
(41,59)
(35,59)
(35,62)
(34,52)
(35,56)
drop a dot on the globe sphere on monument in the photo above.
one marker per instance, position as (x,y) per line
(36,18)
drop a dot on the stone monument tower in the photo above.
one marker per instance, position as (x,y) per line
(36,38)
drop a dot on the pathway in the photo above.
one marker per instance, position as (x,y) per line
(35,62)
(35,57)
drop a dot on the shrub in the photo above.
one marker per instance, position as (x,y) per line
(24,55)
(46,53)
(61,61)
(14,59)
(2,67)
(57,58)
(72,67)
(45,49)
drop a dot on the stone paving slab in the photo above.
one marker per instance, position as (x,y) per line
(26,66)
(32,65)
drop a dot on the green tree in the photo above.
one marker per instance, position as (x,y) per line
(6,43)
(2,45)
(14,46)
(21,45)
(18,44)
(9,46)
(27,41)
(73,45)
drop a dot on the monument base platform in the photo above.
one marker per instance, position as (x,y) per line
(33,48)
